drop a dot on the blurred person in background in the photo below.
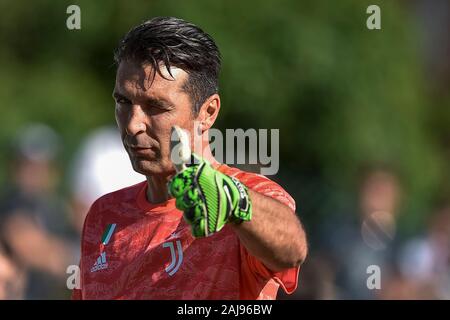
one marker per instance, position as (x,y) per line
(424,262)
(33,218)
(12,276)
(101,166)
(355,242)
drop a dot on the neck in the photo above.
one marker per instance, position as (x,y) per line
(157,185)
(157,189)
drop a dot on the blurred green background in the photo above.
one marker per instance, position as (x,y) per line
(342,96)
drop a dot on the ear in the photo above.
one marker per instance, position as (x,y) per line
(208,112)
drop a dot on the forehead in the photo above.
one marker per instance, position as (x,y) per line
(137,79)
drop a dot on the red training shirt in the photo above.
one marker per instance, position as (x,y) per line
(132,249)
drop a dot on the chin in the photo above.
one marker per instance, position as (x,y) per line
(152,168)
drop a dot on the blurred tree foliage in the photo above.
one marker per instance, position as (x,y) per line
(343,96)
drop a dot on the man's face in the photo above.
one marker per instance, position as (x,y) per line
(146,111)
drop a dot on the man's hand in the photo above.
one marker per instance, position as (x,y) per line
(209,198)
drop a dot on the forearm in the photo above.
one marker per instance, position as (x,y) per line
(269,229)
(274,235)
(35,247)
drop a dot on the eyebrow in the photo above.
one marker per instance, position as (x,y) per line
(158,102)
(117,95)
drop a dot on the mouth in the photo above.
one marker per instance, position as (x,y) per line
(142,151)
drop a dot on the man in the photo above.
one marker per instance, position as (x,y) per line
(34,226)
(236,236)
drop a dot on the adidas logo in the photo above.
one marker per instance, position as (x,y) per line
(101,263)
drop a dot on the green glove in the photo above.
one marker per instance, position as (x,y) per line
(209,198)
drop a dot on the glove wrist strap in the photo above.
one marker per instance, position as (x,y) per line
(243,210)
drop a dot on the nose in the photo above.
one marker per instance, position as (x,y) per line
(136,121)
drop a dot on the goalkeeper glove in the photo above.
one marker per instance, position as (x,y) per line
(209,198)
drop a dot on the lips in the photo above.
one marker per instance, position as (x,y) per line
(139,148)
(142,151)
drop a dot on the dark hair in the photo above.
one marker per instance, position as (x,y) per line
(175,42)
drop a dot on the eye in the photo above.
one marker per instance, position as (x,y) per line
(154,106)
(123,101)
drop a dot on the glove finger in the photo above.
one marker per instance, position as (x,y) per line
(188,199)
(181,181)
(193,214)
(181,205)
(194,160)
(198,228)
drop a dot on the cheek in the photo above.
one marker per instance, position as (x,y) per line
(120,119)
(162,130)
(162,127)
